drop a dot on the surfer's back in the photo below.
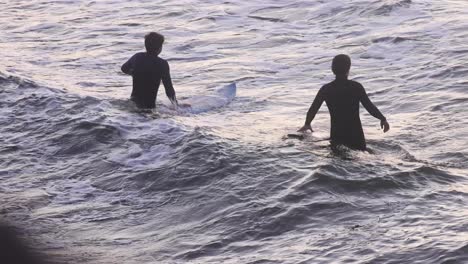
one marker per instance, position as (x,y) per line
(147,70)
(147,74)
(343,97)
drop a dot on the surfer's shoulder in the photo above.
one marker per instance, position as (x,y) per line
(164,63)
(161,60)
(137,56)
(327,86)
(355,83)
(356,86)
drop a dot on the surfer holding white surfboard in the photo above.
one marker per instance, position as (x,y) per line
(343,97)
(147,70)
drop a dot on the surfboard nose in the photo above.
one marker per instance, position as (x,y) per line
(229,91)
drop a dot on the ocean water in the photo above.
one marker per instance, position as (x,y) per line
(90,179)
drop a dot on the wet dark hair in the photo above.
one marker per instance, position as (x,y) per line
(153,42)
(341,64)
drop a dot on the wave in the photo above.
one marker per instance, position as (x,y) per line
(165,186)
(394,40)
(85,136)
(340,180)
(258,222)
(426,253)
(455,102)
(385,8)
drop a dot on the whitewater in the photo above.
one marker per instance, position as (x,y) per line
(91,179)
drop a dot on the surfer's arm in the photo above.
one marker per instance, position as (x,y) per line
(128,66)
(318,101)
(167,81)
(372,109)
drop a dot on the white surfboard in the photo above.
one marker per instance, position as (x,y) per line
(310,137)
(203,103)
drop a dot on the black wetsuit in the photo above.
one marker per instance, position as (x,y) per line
(147,71)
(343,97)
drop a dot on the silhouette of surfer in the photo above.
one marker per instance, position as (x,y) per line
(342,97)
(147,70)
(14,250)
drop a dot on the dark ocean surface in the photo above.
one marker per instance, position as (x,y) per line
(90,179)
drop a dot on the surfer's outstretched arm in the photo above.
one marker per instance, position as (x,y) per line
(319,98)
(128,66)
(373,110)
(167,81)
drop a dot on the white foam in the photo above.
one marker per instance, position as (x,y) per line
(135,156)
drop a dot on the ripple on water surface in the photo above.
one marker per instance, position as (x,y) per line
(96,180)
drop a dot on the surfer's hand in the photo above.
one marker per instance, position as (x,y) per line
(384,125)
(305,128)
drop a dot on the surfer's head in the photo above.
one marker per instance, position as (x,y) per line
(154,42)
(341,65)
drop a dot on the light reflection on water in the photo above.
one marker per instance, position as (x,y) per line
(225,185)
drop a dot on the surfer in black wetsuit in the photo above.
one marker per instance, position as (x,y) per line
(343,97)
(147,70)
